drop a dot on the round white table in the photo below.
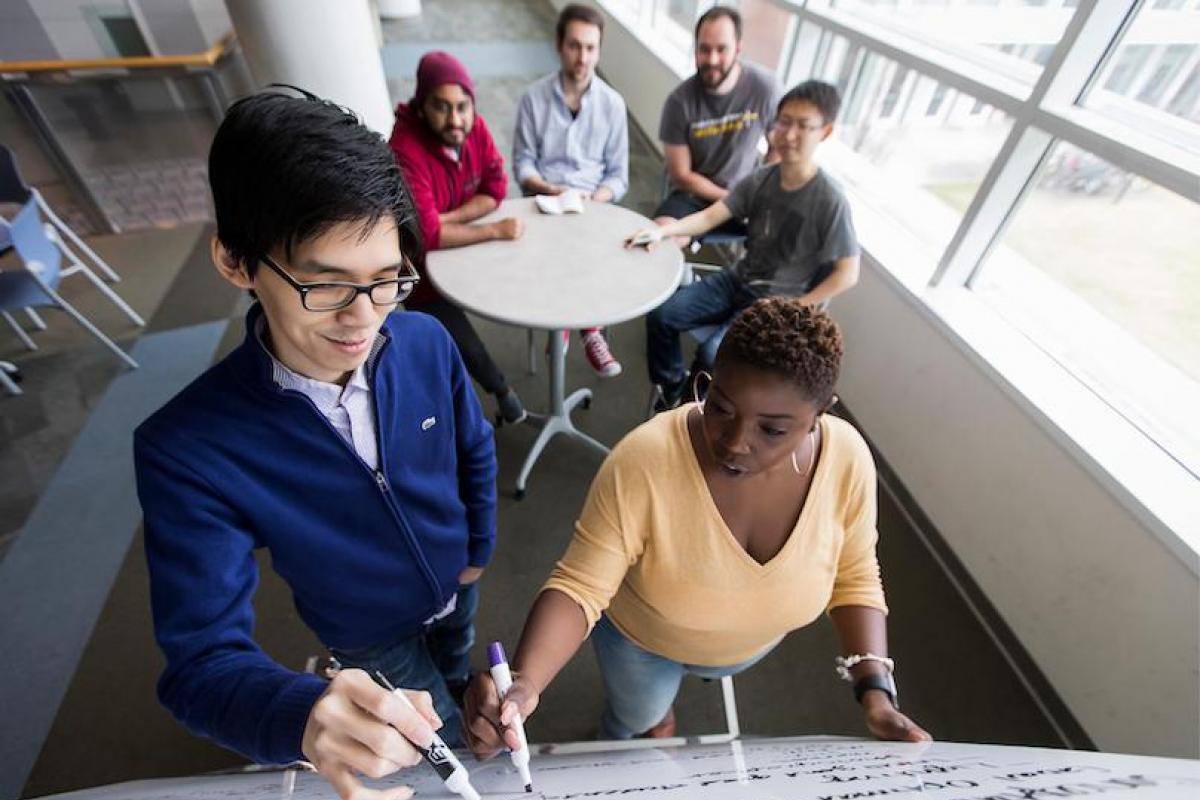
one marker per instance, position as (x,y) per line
(565,273)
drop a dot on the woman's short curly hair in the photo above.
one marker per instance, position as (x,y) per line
(784,336)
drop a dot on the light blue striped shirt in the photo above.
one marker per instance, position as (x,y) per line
(585,152)
(348,408)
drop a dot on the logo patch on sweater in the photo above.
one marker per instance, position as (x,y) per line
(428,423)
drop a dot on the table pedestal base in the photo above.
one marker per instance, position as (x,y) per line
(559,419)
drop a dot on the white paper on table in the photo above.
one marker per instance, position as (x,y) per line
(569,202)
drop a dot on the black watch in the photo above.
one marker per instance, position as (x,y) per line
(882,681)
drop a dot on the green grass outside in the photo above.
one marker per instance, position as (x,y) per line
(1136,260)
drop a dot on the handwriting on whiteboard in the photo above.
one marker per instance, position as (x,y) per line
(764,769)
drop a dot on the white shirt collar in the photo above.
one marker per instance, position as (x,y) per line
(325,395)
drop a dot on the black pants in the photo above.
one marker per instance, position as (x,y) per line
(470,346)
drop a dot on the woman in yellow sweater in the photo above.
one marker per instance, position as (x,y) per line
(709,533)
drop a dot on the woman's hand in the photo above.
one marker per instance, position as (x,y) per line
(885,722)
(487,720)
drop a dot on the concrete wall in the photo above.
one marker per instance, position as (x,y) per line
(1110,616)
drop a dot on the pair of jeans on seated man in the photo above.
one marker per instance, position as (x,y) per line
(640,686)
(712,302)
(697,305)
(437,661)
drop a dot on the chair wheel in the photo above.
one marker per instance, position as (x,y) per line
(519,494)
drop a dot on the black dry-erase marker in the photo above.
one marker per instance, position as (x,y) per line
(438,755)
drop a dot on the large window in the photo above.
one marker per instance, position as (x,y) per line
(1044,154)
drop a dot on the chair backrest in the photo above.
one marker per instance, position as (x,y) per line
(28,234)
(13,188)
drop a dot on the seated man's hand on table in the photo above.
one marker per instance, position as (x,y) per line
(647,237)
(355,728)
(487,720)
(509,228)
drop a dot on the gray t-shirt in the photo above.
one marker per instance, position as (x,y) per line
(793,237)
(722,131)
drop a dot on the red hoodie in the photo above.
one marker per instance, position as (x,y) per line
(439,183)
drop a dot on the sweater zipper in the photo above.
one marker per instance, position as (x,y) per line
(381,482)
(390,499)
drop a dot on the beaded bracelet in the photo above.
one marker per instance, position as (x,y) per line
(844,663)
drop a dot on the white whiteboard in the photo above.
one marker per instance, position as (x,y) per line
(763,769)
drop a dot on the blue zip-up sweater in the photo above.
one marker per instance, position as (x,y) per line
(234,463)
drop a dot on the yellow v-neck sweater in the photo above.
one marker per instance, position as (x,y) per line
(651,547)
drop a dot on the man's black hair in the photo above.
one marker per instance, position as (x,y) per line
(716,12)
(825,96)
(286,166)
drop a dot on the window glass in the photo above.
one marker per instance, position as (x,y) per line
(674,20)
(682,12)
(1012,37)
(921,148)
(1099,266)
(1151,80)
(766,29)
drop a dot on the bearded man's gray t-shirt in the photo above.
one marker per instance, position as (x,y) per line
(722,131)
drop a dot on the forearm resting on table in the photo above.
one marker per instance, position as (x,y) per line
(699,223)
(469,211)
(554,630)
(460,235)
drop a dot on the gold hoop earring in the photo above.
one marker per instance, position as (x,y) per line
(812,455)
(696,389)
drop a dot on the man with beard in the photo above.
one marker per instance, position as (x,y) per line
(713,122)
(571,135)
(455,175)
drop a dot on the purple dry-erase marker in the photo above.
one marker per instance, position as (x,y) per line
(503,678)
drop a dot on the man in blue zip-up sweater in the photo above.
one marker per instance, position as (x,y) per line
(342,437)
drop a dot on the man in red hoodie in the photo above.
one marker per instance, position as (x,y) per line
(455,175)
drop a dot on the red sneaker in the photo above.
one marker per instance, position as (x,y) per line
(599,356)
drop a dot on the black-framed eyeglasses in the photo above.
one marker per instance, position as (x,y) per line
(334,295)
(784,124)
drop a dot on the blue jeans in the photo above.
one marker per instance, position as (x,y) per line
(438,661)
(640,686)
(711,301)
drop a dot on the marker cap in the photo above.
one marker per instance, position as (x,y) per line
(496,654)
